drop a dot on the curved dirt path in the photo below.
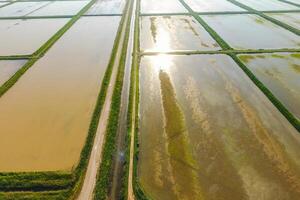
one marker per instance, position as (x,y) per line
(89,183)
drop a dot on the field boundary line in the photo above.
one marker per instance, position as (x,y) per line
(270,19)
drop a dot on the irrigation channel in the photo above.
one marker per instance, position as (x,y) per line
(88,187)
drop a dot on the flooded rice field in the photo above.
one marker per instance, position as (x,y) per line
(212,6)
(45,116)
(165,6)
(20,9)
(2,3)
(256,32)
(295,1)
(281,74)
(207,132)
(107,7)
(165,33)
(60,8)
(8,68)
(17,35)
(292,19)
(266,5)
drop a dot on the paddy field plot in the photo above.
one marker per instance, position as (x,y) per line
(266,5)
(165,33)
(107,7)
(60,8)
(295,1)
(8,68)
(207,132)
(248,31)
(281,74)
(2,3)
(292,19)
(19,37)
(212,6)
(45,116)
(20,9)
(165,6)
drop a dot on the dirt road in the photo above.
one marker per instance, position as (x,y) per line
(89,183)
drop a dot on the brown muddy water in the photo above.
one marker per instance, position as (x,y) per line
(280,73)
(292,19)
(174,33)
(45,116)
(266,5)
(165,6)
(19,9)
(17,35)
(212,6)
(207,132)
(107,7)
(60,8)
(8,68)
(254,32)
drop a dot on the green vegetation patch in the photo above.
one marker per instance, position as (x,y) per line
(295,55)
(181,158)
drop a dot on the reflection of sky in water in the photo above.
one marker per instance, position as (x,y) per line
(164,6)
(268,5)
(212,6)
(161,34)
(255,32)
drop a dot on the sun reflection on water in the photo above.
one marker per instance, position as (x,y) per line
(163,41)
(161,62)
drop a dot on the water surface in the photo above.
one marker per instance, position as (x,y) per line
(165,6)
(251,32)
(212,6)
(280,73)
(17,35)
(45,116)
(207,132)
(266,5)
(8,68)
(292,19)
(107,7)
(19,9)
(60,8)
(174,33)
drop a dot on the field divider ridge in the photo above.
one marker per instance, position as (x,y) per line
(271,19)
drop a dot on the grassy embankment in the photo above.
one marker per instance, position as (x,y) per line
(133,114)
(105,170)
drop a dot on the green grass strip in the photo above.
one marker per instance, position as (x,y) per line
(281,11)
(16,57)
(261,14)
(35,181)
(235,51)
(139,192)
(53,195)
(37,17)
(109,148)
